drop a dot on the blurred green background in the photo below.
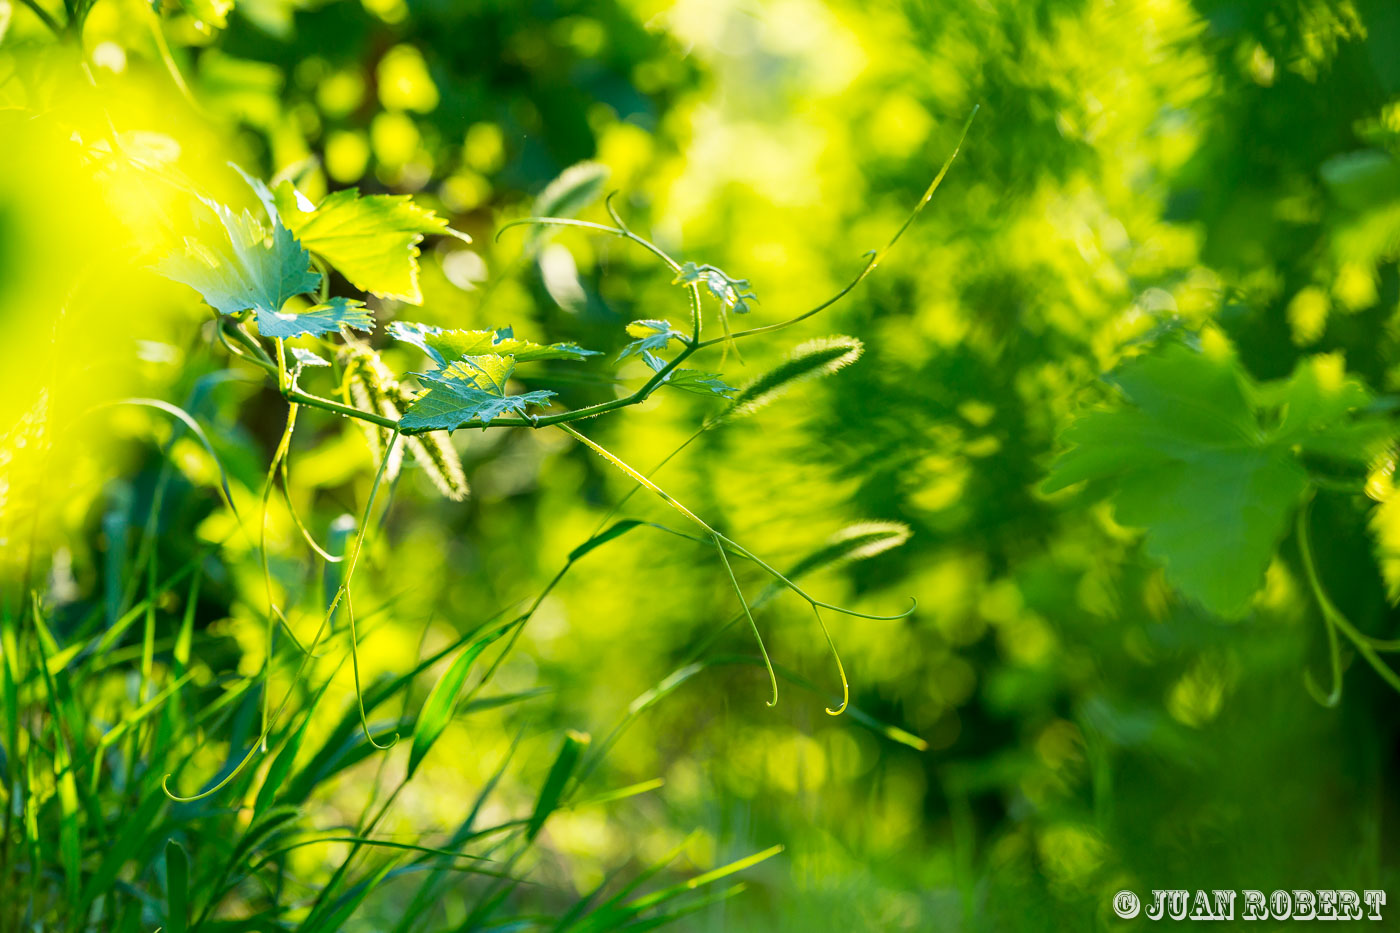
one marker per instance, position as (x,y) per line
(1226,165)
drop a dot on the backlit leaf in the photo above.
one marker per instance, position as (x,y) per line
(471,389)
(372,240)
(247,269)
(304,357)
(691,380)
(444,346)
(324,318)
(728,291)
(652,335)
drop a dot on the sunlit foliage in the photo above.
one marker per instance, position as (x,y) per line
(1120,416)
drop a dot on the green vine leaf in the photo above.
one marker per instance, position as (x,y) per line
(651,334)
(372,240)
(299,358)
(471,389)
(729,291)
(1210,463)
(444,346)
(251,270)
(1315,404)
(325,318)
(691,380)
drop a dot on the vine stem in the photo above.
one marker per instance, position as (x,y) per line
(874,255)
(748,614)
(1336,620)
(729,543)
(293,394)
(691,345)
(840,668)
(725,544)
(621,230)
(836,655)
(254,353)
(718,539)
(639,478)
(309,652)
(272,611)
(168,59)
(306,535)
(652,472)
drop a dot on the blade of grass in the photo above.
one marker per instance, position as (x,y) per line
(70,838)
(129,845)
(689,907)
(553,790)
(438,707)
(348,903)
(426,893)
(641,878)
(615,917)
(376,843)
(177,887)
